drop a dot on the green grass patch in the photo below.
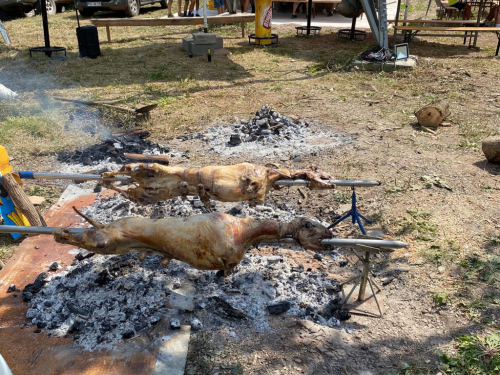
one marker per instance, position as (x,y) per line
(476,355)
(420,222)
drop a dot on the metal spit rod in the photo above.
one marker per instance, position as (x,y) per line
(88,177)
(340,242)
(68,176)
(365,183)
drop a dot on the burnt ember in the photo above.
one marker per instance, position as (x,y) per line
(113,149)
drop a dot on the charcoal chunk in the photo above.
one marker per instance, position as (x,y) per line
(279,308)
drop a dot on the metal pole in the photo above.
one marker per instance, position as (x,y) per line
(35,230)
(69,176)
(382,16)
(309,15)
(362,183)
(341,242)
(45,27)
(4,34)
(89,177)
(348,242)
(364,278)
(205,23)
(353,29)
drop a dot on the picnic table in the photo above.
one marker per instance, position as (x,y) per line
(409,32)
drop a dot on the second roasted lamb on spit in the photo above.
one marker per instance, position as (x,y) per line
(232,183)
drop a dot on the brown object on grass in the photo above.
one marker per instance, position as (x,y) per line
(207,242)
(433,114)
(491,148)
(161,159)
(233,183)
(135,111)
(21,200)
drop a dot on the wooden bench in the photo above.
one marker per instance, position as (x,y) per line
(181,21)
(409,32)
(437,22)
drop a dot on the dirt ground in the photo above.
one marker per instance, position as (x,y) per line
(438,193)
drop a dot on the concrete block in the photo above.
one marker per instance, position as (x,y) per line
(200,49)
(219,42)
(185,43)
(202,38)
(407,64)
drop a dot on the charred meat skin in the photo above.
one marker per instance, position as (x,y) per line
(233,183)
(207,242)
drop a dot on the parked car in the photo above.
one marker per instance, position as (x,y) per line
(53,6)
(130,8)
(13,6)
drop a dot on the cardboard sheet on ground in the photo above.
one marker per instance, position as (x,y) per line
(27,352)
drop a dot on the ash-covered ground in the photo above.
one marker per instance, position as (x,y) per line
(102,300)
(269,133)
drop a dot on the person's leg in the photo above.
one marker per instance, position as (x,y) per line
(186,6)
(179,8)
(169,5)
(294,10)
(492,14)
(245,5)
(197,8)
(497,16)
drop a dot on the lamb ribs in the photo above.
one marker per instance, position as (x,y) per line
(233,183)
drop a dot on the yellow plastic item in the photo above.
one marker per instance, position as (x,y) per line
(4,162)
(263,18)
(210,4)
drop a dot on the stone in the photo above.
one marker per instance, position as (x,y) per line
(196,324)
(180,302)
(2,264)
(202,38)
(175,324)
(185,44)
(53,266)
(441,269)
(491,148)
(11,288)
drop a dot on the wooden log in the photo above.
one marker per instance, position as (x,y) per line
(161,159)
(433,114)
(21,201)
(491,148)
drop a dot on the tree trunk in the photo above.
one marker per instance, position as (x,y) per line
(433,114)
(21,201)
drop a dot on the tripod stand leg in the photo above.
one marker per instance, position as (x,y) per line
(375,296)
(341,219)
(364,218)
(356,215)
(352,290)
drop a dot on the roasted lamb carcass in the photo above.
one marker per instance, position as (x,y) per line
(233,183)
(207,242)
